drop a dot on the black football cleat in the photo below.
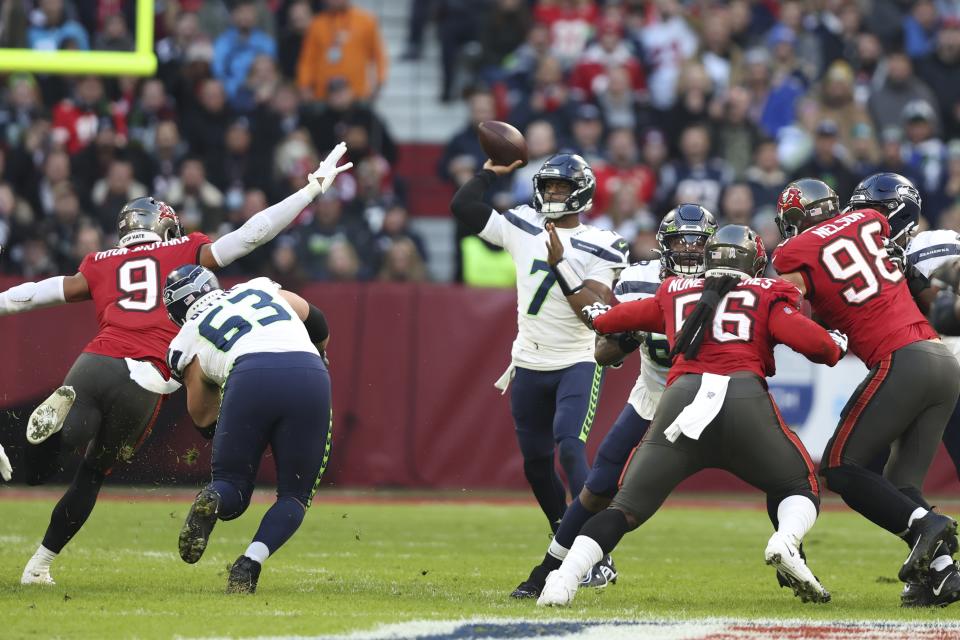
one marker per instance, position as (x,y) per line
(532,586)
(243,576)
(916,594)
(199,524)
(944,585)
(928,534)
(602,574)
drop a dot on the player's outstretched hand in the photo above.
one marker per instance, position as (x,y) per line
(500,169)
(947,275)
(591,312)
(554,246)
(320,180)
(895,253)
(840,339)
(6,471)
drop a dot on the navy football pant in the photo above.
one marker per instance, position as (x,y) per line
(280,399)
(554,411)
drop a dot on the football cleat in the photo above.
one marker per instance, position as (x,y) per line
(48,418)
(532,586)
(199,524)
(34,573)
(558,591)
(243,576)
(602,574)
(928,534)
(784,555)
(916,594)
(944,585)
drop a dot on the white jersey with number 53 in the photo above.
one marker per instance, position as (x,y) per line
(639,281)
(251,317)
(550,335)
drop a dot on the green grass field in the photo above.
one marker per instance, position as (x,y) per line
(354,565)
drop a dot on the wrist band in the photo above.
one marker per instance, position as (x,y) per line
(567,277)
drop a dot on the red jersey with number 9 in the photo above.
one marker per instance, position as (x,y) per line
(853,286)
(127,288)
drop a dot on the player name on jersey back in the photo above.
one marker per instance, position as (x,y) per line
(827,229)
(140,248)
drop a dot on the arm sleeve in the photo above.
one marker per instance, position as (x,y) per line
(803,335)
(32,295)
(260,229)
(640,315)
(468,206)
(316,324)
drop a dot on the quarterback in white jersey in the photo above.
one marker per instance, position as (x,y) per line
(682,236)
(561,266)
(927,251)
(258,348)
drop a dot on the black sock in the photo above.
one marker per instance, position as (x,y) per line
(74,507)
(547,488)
(606,528)
(872,496)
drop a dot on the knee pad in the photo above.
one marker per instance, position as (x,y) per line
(572,452)
(592,502)
(234,498)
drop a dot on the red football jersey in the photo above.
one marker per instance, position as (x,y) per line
(852,284)
(756,315)
(127,288)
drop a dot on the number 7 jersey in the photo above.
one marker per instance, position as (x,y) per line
(852,284)
(251,317)
(126,285)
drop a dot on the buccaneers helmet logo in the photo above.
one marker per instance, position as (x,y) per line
(790,199)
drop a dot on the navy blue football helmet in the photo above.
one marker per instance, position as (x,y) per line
(892,195)
(185,285)
(571,168)
(682,236)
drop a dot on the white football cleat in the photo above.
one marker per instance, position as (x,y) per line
(34,573)
(784,554)
(558,591)
(48,418)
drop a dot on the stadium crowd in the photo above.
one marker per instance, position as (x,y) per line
(719,103)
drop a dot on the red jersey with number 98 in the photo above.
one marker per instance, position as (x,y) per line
(853,286)
(127,288)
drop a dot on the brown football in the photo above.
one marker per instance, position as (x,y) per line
(502,143)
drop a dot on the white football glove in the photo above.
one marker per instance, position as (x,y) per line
(6,471)
(594,311)
(320,180)
(840,339)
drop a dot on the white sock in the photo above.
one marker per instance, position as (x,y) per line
(557,550)
(584,553)
(43,557)
(941,562)
(257,551)
(796,515)
(918,513)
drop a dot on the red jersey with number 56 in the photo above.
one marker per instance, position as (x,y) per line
(126,285)
(750,320)
(853,286)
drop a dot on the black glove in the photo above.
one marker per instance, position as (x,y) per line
(895,253)
(207,432)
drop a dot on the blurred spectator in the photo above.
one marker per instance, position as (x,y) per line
(736,206)
(765,177)
(922,149)
(237,47)
(56,171)
(696,176)
(457,28)
(89,239)
(114,36)
(284,267)
(864,151)
(522,63)
(826,164)
(331,122)
(773,99)
(402,263)
(806,44)
(695,102)
(150,110)
(465,144)
(619,102)
(13,28)
(587,134)
(60,229)
(541,144)
(919,29)
(94,161)
(940,71)
(836,102)
(172,50)
(644,245)
(892,157)
(206,126)
(16,217)
(113,191)
(735,135)
(262,82)
(611,50)
(343,41)
(76,120)
(35,260)
(504,28)
(622,173)
(374,194)
(667,41)
(168,152)
(20,109)
(254,201)
(51,29)
(394,227)
(328,228)
(622,212)
(421,13)
(239,169)
(484,264)
(198,203)
(570,23)
(951,187)
(900,87)
(654,151)
(548,99)
(290,39)
(719,55)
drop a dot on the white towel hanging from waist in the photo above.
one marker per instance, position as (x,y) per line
(705,406)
